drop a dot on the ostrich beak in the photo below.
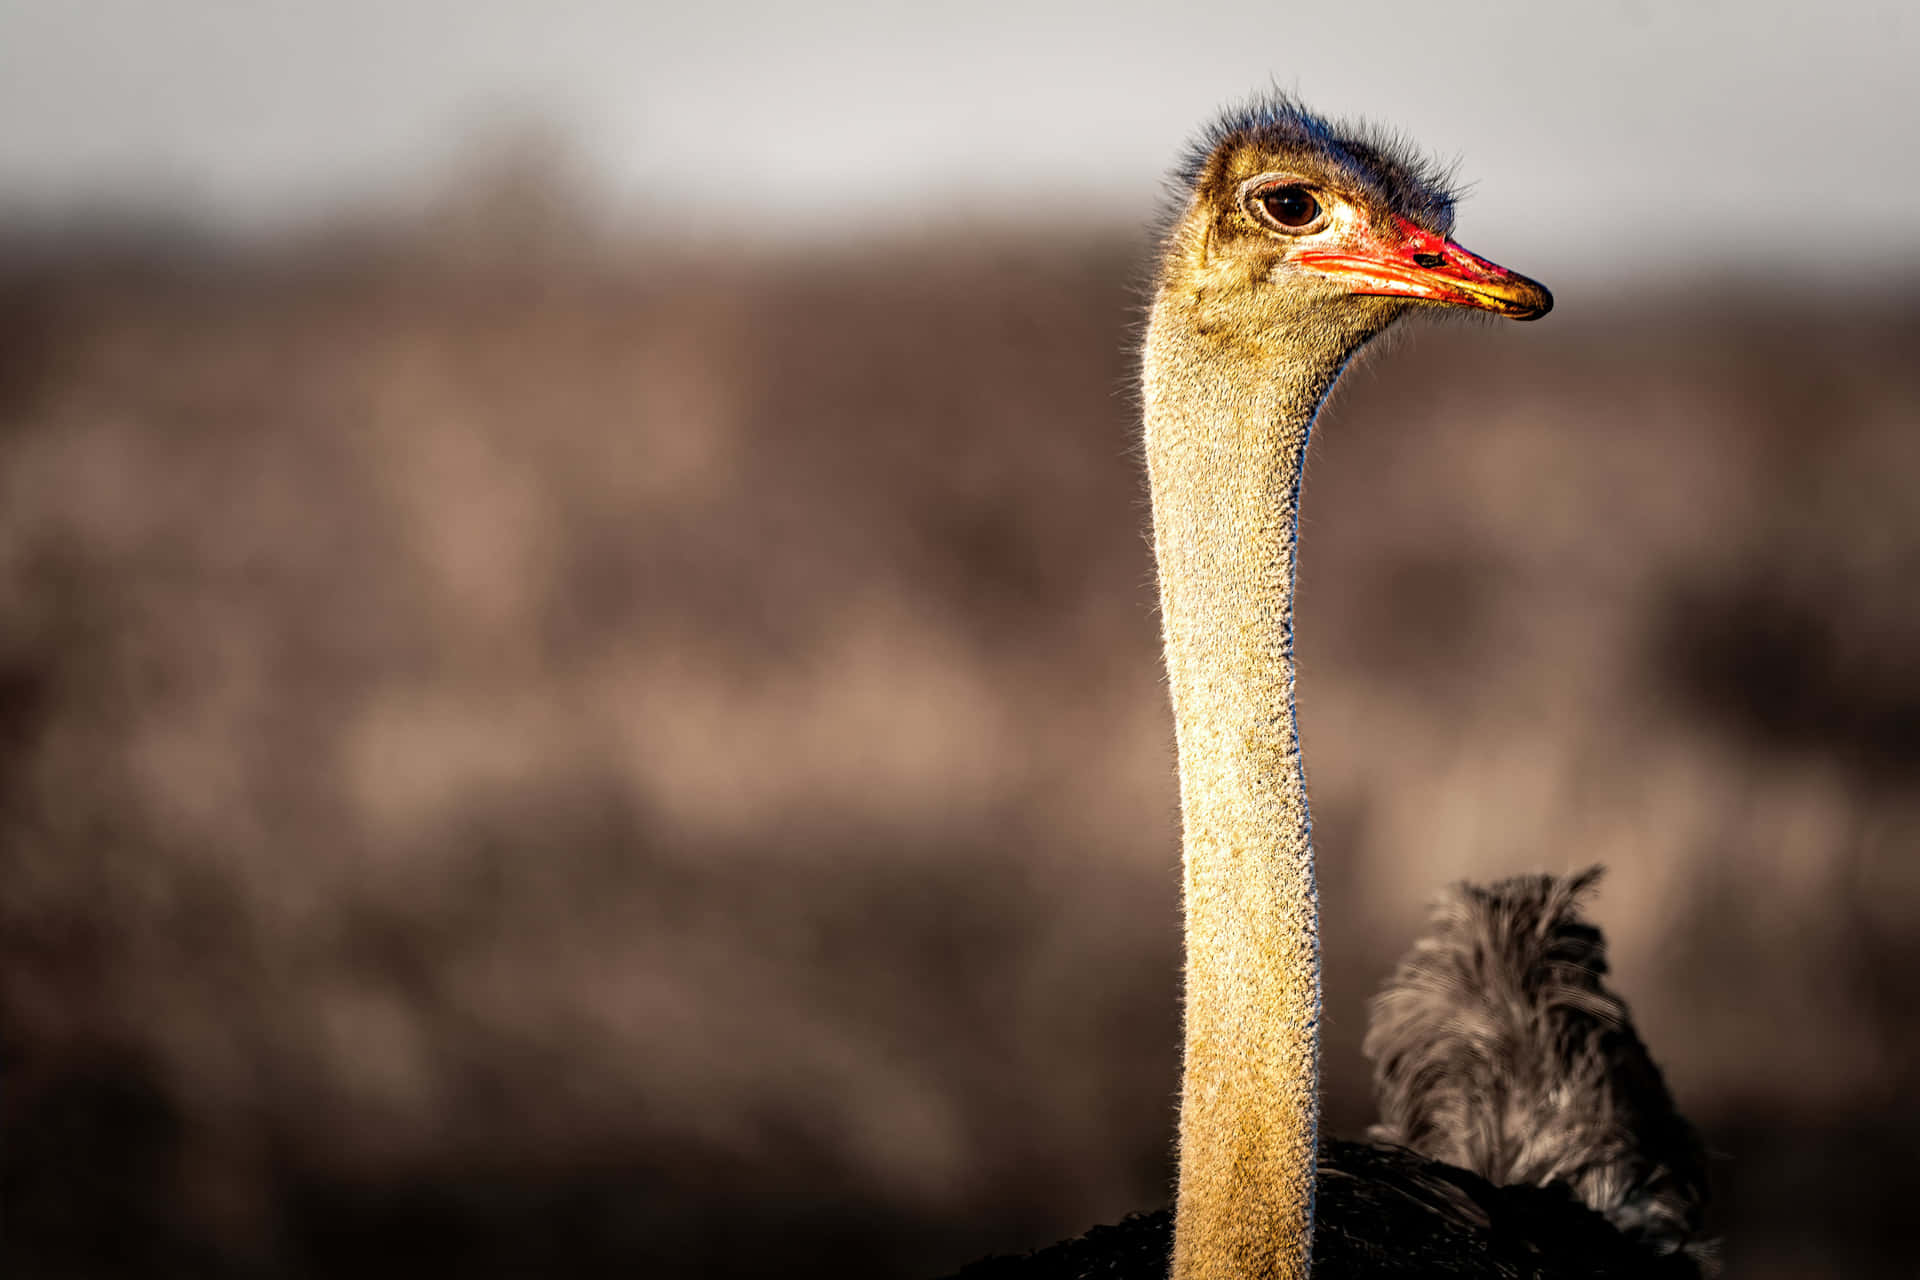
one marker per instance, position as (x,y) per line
(1418,264)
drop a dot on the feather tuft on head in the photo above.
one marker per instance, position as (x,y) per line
(1372,158)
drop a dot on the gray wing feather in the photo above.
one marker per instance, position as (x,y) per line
(1496,1047)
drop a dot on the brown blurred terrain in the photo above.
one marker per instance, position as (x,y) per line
(523,757)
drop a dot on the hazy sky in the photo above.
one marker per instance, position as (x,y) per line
(1629,130)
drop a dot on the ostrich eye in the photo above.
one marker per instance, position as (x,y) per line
(1290,206)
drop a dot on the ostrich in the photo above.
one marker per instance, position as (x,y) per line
(1525,1132)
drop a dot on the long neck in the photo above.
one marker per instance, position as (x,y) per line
(1226,433)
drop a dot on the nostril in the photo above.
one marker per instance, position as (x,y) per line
(1430,259)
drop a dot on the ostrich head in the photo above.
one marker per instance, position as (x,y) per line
(1289,225)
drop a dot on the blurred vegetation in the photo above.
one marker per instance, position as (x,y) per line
(524,750)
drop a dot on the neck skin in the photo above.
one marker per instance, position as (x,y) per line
(1228,414)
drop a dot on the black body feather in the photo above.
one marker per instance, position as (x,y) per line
(1525,1134)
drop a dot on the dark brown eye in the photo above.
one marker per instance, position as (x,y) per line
(1290,206)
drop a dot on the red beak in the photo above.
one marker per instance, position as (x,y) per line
(1419,264)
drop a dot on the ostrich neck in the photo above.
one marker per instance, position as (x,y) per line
(1226,434)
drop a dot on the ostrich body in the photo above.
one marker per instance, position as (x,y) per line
(1537,1137)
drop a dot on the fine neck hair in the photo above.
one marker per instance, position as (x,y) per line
(1228,411)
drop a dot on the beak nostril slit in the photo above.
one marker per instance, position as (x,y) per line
(1430,259)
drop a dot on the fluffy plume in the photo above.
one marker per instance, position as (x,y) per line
(1497,1047)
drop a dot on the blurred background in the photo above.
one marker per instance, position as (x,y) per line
(578,673)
